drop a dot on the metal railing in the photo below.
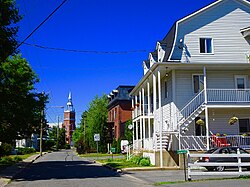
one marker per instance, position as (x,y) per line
(193,142)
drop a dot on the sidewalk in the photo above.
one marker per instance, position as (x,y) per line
(8,174)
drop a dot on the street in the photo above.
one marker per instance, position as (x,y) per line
(65,168)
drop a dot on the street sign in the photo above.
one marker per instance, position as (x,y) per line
(112,150)
(96,137)
(181,151)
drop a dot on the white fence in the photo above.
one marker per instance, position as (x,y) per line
(193,171)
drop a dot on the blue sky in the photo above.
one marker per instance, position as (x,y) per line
(94,25)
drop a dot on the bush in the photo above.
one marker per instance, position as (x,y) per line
(5,149)
(67,146)
(25,150)
(136,159)
(144,162)
(6,160)
(17,159)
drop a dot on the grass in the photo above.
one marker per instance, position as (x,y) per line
(98,155)
(202,180)
(119,163)
(11,161)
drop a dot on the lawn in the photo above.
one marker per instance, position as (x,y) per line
(9,162)
(98,155)
(119,163)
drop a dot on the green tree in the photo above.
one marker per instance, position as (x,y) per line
(9,16)
(20,104)
(128,134)
(59,139)
(96,120)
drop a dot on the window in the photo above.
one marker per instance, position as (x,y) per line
(206,45)
(198,83)
(240,82)
(166,89)
(244,126)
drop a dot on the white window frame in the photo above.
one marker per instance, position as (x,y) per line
(240,76)
(212,45)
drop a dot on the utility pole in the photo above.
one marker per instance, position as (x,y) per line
(41,130)
(57,135)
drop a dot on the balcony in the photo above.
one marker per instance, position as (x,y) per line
(137,111)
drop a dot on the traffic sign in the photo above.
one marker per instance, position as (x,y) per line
(96,137)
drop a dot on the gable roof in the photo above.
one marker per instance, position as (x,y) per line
(170,38)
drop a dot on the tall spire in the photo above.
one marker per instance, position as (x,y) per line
(69,103)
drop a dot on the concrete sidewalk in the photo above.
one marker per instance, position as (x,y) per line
(8,173)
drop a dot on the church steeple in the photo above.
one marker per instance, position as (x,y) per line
(70,103)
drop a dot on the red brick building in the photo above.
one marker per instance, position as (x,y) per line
(69,120)
(119,109)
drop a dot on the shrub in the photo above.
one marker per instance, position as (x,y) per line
(67,146)
(5,149)
(136,159)
(17,159)
(25,150)
(6,160)
(144,162)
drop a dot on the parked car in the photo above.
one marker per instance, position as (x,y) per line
(224,150)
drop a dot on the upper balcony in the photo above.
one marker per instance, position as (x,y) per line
(142,110)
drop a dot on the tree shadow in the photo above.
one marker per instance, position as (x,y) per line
(64,170)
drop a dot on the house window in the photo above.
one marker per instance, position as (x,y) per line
(206,45)
(198,83)
(244,126)
(166,89)
(240,82)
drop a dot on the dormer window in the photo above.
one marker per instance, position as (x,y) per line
(206,45)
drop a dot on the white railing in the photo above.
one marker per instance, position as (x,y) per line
(228,95)
(239,140)
(200,142)
(193,142)
(192,166)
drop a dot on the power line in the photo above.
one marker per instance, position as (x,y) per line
(40,25)
(86,51)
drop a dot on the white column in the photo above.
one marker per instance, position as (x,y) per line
(133,111)
(136,111)
(133,135)
(206,109)
(149,107)
(160,116)
(140,112)
(143,115)
(154,98)
(137,138)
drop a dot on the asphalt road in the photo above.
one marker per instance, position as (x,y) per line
(65,168)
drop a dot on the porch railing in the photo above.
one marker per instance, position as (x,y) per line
(228,95)
(148,144)
(200,142)
(137,112)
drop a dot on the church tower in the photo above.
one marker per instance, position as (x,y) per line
(69,120)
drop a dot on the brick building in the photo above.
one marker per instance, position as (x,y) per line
(119,109)
(69,120)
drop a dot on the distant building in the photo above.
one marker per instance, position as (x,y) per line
(119,109)
(69,120)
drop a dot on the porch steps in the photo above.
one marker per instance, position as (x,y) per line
(165,141)
(183,124)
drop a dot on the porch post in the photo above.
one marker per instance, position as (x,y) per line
(137,138)
(140,113)
(143,115)
(160,116)
(136,110)
(206,109)
(133,106)
(154,97)
(149,105)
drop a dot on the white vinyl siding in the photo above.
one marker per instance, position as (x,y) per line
(221,23)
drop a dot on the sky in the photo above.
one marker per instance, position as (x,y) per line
(95,26)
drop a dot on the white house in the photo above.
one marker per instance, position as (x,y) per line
(200,70)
